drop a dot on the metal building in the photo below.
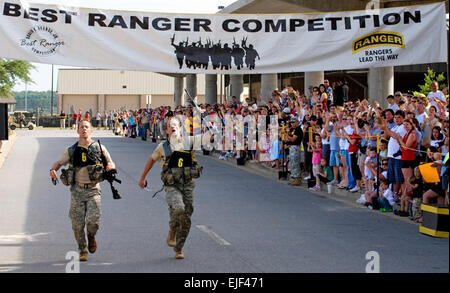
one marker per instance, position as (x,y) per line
(105,90)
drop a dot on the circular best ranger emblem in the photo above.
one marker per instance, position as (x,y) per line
(42,41)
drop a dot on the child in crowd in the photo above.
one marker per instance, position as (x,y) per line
(369,198)
(370,167)
(386,199)
(325,174)
(316,149)
(415,186)
(383,148)
(264,150)
(276,152)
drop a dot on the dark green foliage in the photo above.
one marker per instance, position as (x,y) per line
(36,99)
(12,71)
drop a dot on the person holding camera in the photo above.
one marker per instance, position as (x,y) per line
(83,177)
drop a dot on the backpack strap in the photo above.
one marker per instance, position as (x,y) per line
(71,151)
(94,149)
(167,150)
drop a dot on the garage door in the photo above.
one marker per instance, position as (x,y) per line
(79,102)
(161,100)
(122,102)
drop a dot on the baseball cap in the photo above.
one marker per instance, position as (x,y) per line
(286,110)
(293,119)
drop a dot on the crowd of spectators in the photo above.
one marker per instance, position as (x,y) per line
(323,137)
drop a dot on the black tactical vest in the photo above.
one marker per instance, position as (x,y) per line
(179,166)
(81,156)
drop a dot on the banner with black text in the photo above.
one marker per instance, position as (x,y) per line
(222,43)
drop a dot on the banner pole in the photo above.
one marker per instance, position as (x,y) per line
(378,165)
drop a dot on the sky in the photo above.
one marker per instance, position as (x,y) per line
(42,74)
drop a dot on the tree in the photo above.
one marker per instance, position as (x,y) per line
(12,71)
(431,77)
(35,99)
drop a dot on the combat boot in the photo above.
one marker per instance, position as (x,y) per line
(295,182)
(83,256)
(178,254)
(171,239)
(92,244)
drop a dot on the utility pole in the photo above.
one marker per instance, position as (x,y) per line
(26,96)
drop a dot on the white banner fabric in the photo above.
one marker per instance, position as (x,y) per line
(222,43)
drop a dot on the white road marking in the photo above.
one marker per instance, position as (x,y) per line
(8,269)
(20,237)
(213,235)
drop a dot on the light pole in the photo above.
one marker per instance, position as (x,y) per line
(51,105)
(26,95)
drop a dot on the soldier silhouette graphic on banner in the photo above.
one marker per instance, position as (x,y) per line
(197,55)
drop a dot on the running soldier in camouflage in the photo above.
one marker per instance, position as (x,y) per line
(178,171)
(83,176)
(181,207)
(85,208)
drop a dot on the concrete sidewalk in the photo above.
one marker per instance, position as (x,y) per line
(7,146)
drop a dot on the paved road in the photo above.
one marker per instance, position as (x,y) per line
(242,223)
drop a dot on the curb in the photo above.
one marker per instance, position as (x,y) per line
(7,146)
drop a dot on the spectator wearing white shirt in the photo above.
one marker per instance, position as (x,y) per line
(420,111)
(395,174)
(437,138)
(387,198)
(435,94)
(392,105)
(98,119)
(343,147)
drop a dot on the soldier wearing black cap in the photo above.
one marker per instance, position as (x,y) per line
(294,136)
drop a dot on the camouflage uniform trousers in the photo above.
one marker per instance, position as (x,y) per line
(294,160)
(180,199)
(84,211)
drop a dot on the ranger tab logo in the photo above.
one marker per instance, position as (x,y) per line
(378,39)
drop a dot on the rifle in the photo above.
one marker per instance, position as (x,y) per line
(110,175)
(213,129)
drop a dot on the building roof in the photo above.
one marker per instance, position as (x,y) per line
(7,100)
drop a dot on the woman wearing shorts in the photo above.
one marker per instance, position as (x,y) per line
(408,144)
